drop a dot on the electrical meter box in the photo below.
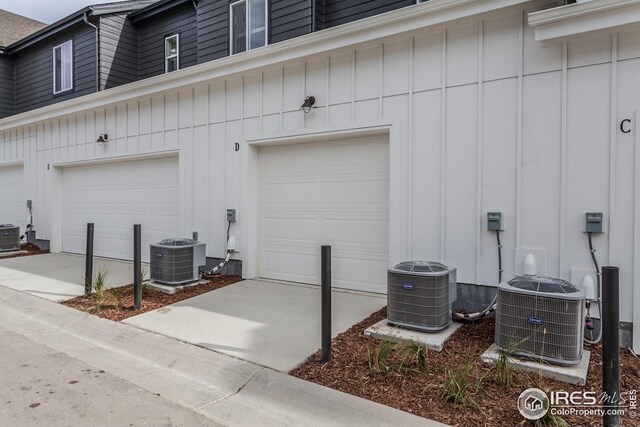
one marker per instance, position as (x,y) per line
(495,221)
(594,222)
(231,215)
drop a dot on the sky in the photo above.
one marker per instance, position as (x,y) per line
(47,11)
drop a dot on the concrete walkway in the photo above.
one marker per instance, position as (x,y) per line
(220,387)
(43,387)
(273,324)
(59,277)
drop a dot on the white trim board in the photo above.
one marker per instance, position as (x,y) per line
(585,17)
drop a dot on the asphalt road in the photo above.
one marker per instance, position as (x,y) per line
(40,386)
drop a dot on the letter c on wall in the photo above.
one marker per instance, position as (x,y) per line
(625,126)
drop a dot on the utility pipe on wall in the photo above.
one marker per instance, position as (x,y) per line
(86,21)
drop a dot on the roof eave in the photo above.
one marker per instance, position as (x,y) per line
(56,27)
(155,9)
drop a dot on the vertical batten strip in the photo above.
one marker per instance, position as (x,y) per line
(636,233)
(563,162)
(353,86)
(327,92)
(261,107)
(281,98)
(519,136)
(381,81)
(443,146)
(479,148)
(410,155)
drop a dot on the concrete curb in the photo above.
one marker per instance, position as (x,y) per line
(223,388)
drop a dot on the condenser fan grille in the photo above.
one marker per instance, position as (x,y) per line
(427,304)
(540,326)
(176,261)
(9,238)
(419,295)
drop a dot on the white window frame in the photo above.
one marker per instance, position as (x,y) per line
(177,55)
(246,30)
(55,74)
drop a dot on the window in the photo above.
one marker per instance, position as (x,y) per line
(171,53)
(248,25)
(63,67)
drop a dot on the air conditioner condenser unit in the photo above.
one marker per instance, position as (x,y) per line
(541,318)
(9,238)
(420,294)
(177,261)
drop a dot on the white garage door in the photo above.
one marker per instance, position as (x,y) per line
(334,193)
(115,196)
(12,200)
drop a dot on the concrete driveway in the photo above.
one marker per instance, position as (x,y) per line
(272,324)
(58,277)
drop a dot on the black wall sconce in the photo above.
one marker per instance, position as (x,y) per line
(103,139)
(309,101)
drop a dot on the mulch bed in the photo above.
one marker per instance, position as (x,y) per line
(421,392)
(117,303)
(30,248)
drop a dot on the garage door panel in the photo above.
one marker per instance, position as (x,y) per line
(365,232)
(326,193)
(115,196)
(298,229)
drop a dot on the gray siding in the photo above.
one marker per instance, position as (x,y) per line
(34,70)
(289,18)
(337,12)
(319,12)
(151,35)
(118,51)
(6,86)
(213,29)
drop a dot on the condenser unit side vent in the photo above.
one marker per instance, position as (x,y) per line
(420,294)
(177,261)
(9,238)
(541,318)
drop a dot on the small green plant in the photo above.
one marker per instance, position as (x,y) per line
(412,352)
(99,284)
(458,385)
(505,374)
(116,296)
(143,273)
(379,355)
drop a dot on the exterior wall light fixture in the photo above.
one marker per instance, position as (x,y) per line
(309,101)
(103,139)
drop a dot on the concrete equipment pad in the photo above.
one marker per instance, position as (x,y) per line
(59,277)
(272,324)
(576,374)
(431,340)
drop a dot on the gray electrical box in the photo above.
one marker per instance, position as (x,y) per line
(495,221)
(231,215)
(593,222)
(29,204)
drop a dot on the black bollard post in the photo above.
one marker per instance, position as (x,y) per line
(326,303)
(611,343)
(137,267)
(88,266)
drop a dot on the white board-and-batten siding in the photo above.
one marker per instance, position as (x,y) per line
(484,118)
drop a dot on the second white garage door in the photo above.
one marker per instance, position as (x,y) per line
(115,196)
(334,193)
(12,199)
